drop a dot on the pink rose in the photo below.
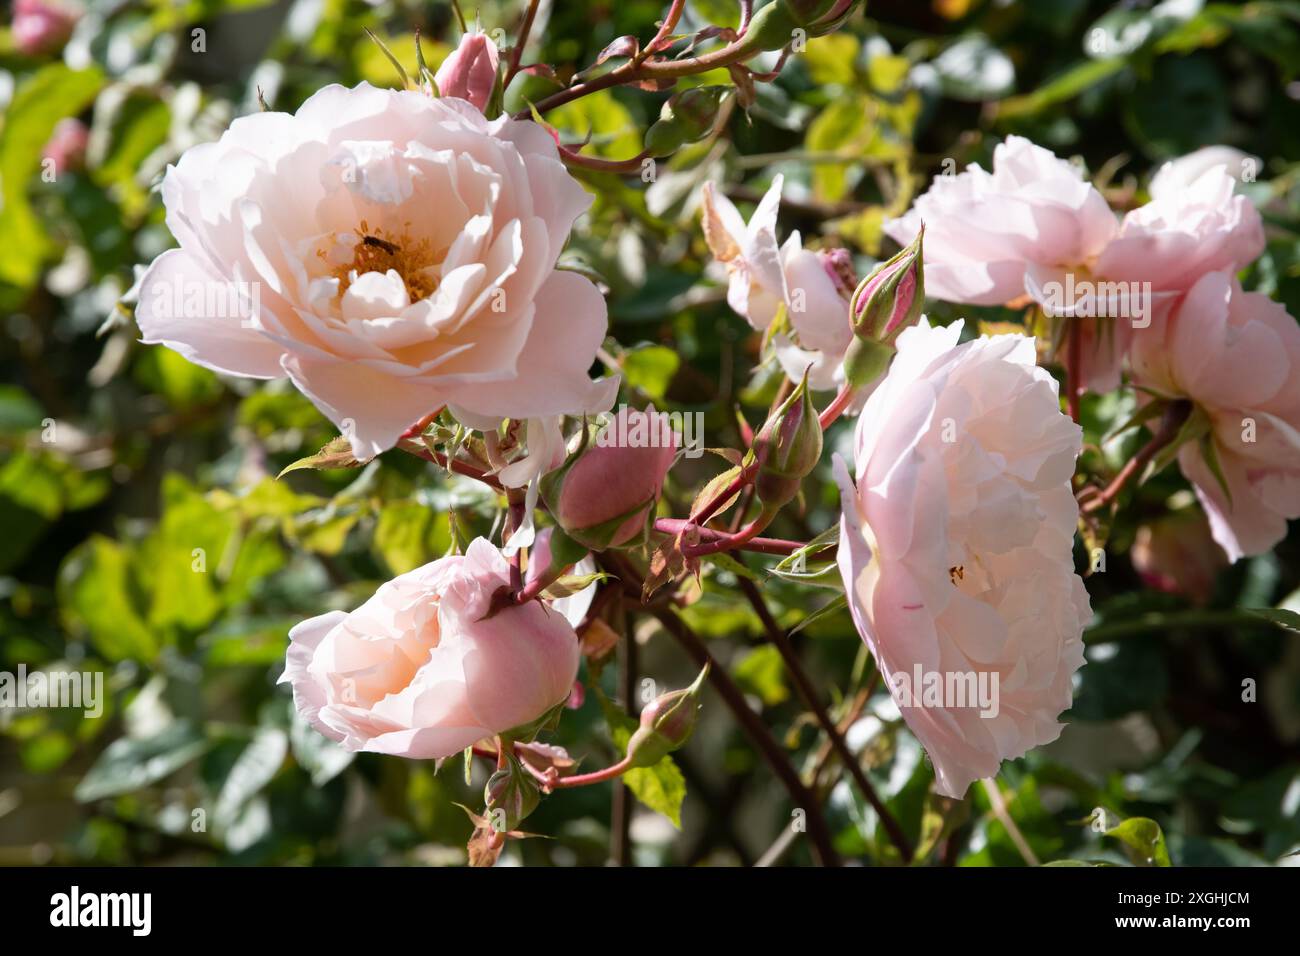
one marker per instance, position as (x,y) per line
(1185,231)
(955,546)
(66,148)
(763,277)
(470,70)
(983,230)
(1235,355)
(602,498)
(40,26)
(390,253)
(417,671)
(1185,170)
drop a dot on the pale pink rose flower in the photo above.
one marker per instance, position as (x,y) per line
(984,229)
(1235,355)
(66,148)
(1185,170)
(418,671)
(1185,231)
(750,252)
(956,543)
(818,310)
(390,253)
(764,276)
(470,70)
(40,26)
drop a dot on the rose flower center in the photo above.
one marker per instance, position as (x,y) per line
(379,250)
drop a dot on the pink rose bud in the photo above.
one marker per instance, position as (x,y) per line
(787,448)
(666,724)
(1177,554)
(512,791)
(885,303)
(67,146)
(470,71)
(40,26)
(602,496)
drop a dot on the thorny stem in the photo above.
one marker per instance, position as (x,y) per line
(517,50)
(759,735)
(459,467)
(638,69)
(1171,423)
(778,637)
(675,526)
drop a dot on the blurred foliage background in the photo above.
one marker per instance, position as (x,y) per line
(144,535)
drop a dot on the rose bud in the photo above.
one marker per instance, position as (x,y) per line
(686,117)
(603,494)
(774,26)
(666,724)
(820,17)
(885,303)
(470,71)
(787,448)
(67,146)
(1177,554)
(40,26)
(512,791)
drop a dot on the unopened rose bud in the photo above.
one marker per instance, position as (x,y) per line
(687,117)
(603,495)
(787,448)
(1177,554)
(511,790)
(666,724)
(885,303)
(470,71)
(40,26)
(67,146)
(824,15)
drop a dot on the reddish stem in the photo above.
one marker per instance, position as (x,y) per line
(833,411)
(674,526)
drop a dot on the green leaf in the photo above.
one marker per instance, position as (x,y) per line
(662,788)
(1143,841)
(337,453)
(53,93)
(321,757)
(96,600)
(762,672)
(177,379)
(650,368)
(128,765)
(410,534)
(1065,86)
(252,770)
(1279,616)
(843,127)
(19,412)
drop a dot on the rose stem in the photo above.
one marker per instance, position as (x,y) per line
(620,809)
(778,637)
(758,733)
(1171,423)
(517,50)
